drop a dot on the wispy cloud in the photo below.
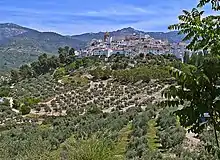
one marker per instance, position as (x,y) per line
(74,17)
(116,10)
(125,10)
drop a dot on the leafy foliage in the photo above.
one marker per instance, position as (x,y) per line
(203,32)
(215,4)
(197,88)
(170,133)
(25,109)
(92,149)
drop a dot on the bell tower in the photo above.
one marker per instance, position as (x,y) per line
(106,36)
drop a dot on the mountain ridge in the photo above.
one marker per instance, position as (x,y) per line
(171,36)
(19,45)
(127,30)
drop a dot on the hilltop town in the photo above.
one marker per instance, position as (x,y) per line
(132,45)
(120,95)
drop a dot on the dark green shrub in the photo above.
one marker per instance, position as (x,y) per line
(25,109)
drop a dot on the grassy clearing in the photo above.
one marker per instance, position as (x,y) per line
(152,138)
(77,80)
(123,141)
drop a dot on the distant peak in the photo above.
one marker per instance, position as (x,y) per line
(128,29)
(9,25)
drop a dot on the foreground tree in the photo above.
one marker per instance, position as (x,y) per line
(215,4)
(197,85)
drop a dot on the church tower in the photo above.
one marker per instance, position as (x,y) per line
(106,36)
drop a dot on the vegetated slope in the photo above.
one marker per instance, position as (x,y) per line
(96,109)
(8,30)
(42,41)
(20,45)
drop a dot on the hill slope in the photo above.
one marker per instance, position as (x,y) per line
(8,30)
(98,114)
(20,45)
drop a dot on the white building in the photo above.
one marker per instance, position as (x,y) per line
(1,100)
(133,44)
(178,49)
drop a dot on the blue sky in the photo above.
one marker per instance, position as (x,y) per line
(79,16)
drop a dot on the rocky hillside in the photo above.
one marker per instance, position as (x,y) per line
(9,30)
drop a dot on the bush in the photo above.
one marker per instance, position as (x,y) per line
(16,104)
(25,109)
(100,73)
(93,109)
(172,137)
(4,92)
(90,149)
(60,72)
(117,66)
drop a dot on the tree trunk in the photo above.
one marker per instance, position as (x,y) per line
(216,136)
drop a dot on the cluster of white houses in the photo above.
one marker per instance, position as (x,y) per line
(131,46)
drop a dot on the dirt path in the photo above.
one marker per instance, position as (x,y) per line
(11,104)
(157,96)
(191,141)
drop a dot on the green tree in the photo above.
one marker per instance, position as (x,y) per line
(60,72)
(25,109)
(196,59)
(53,62)
(43,63)
(204,32)
(197,86)
(26,71)
(62,55)
(36,68)
(16,104)
(4,91)
(186,57)
(215,4)
(14,75)
(72,51)
(66,55)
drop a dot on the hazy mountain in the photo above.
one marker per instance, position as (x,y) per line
(12,35)
(170,36)
(20,45)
